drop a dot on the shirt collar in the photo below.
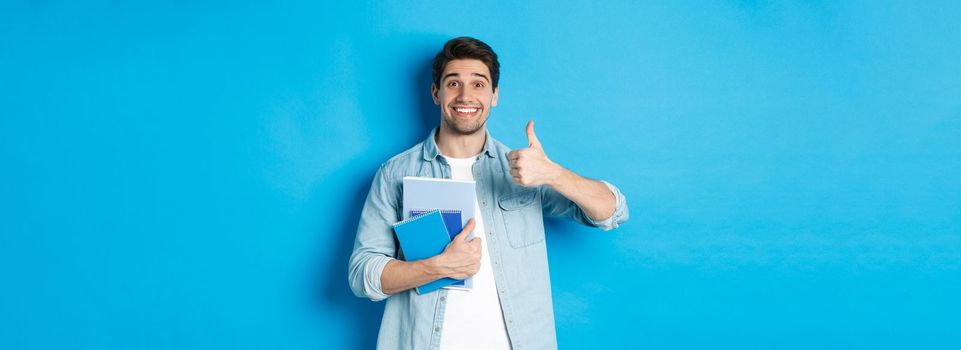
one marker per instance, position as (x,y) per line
(431,151)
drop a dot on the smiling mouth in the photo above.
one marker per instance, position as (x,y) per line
(465,112)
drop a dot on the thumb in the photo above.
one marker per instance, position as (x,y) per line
(462,236)
(532,140)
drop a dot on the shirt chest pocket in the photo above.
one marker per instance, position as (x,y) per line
(522,218)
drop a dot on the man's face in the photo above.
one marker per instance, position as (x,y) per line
(465,96)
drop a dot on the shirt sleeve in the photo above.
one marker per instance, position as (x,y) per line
(556,205)
(375,245)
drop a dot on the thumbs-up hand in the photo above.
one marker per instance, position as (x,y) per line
(530,166)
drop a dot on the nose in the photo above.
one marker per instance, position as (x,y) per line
(463,95)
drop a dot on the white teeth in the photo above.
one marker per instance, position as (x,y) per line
(465,110)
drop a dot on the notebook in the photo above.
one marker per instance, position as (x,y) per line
(431,193)
(453,222)
(422,237)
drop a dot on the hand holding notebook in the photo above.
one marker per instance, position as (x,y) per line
(463,254)
(426,236)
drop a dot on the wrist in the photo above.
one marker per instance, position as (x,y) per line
(434,266)
(560,176)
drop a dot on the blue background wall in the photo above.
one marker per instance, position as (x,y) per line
(189,176)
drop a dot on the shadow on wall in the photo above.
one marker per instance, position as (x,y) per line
(424,115)
(427,112)
(336,298)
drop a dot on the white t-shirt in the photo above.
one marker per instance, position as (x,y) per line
(473,318)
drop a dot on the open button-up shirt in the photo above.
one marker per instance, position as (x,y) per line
(513,217)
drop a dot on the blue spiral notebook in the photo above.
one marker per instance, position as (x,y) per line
(422,237)
(452,219)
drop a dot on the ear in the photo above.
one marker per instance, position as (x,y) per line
(494,99)
(433,93)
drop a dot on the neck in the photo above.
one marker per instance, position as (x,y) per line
(456,145)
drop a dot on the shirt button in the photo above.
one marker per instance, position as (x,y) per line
(436,329)
(443,298)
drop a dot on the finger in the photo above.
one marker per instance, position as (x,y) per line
(462,236)
(515,172)
(517,154)
(532,140)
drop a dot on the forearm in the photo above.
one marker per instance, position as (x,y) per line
(460,260)
(402,275)
(593,197)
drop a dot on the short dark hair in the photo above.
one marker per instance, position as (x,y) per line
(466,48)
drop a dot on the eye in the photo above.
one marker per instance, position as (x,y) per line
(453,84)
(478,85)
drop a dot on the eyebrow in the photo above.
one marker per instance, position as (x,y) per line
(458,74)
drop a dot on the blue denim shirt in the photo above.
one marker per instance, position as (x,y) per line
(513,217)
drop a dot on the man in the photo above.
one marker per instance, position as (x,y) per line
(509,305)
